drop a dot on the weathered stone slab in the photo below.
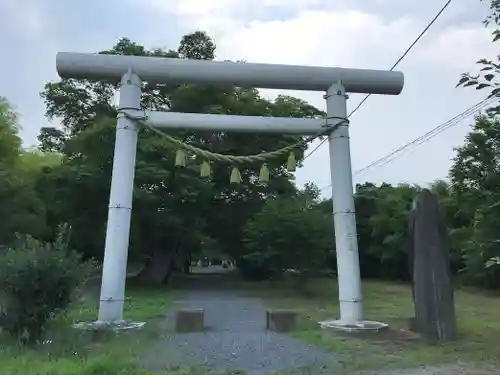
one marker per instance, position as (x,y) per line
(281,320)
(189,320)
(430,271)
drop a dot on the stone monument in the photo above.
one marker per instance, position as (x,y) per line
(432,286)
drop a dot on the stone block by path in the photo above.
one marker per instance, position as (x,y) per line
(281,320)
(189,320)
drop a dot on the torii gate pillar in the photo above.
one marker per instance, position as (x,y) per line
(346,241)
(114,272)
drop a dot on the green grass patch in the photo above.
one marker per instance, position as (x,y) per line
(477,317)
(76,352)
(71,351)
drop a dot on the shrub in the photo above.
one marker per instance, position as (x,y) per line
(38,281)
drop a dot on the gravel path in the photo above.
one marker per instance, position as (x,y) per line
(236,339)
(457,369)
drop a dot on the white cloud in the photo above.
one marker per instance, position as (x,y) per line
(352,36)
(206,9)
(25,18)
(348,38)
(459,46)
(341,37)
(348,33)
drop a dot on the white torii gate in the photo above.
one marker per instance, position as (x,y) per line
(132,70)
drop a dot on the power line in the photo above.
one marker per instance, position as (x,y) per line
(392,68)
(425,137)
(428,136)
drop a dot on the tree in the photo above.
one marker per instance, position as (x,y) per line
(290,234)
(173,208)
(10,142)
(458,220)
(494,16)
(21,208)
(481,251)
(366,204)
(476,171)
(487,77)
(197,45)
(475,177)
(381,224)
(389,224)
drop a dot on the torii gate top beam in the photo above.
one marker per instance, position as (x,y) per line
(272,76)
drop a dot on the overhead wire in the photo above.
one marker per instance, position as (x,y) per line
(429,135)
(424,31)
(410,146)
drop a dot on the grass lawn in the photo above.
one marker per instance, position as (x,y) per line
(79,352)
(477,315)
(75,352)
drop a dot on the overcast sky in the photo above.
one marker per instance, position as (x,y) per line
(346,33)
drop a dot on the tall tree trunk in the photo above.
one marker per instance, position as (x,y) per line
(160,267)
(187,267)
